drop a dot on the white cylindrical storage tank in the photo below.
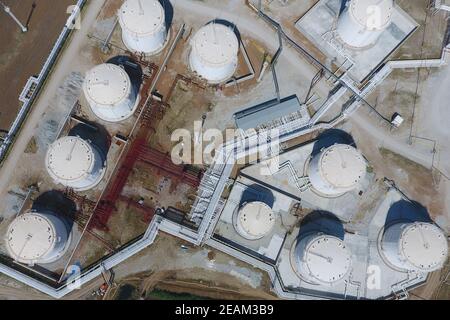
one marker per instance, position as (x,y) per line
(143,26)
(75,163)
(363,21)
(337,170)
(37,237)
(109,92)
(322,259)
(214,53)
(416,246)
(254,220)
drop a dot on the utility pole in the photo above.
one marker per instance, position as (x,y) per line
(8,11)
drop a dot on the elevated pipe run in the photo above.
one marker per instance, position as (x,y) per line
(277,54)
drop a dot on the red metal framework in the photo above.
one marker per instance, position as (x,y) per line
(163,162)
(152,112)
(106,205)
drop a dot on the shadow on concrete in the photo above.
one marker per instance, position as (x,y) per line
(322,221)
(95,133)
(331,137)
(255,192)
(132,68)
(168,10)
(228,24)
(57,203)
(407,211)
(343,4)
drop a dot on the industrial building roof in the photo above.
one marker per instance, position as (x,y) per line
(266,112)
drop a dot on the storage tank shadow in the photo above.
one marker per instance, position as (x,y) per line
(322,221)
(407,211)
(43,234)
(96,134)
(256,192)
(228,24)
(168,9)
(331,137)
(319,255)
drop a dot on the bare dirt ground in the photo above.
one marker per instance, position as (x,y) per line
(418,182)
(437,287)
(198,271)
(22,55)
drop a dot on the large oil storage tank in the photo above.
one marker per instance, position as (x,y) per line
(336,170)
(363,21)
(214,52)
(37,237)
(75,163)
(417,246)
(254,220)
(143,26)
(322,259)
(110,93)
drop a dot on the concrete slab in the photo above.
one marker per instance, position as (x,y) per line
(319,25)
(246,190)
(346,207)
(364,218)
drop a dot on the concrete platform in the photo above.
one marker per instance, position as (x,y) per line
(319,25)
(268,247)
(363,220)
(346,207)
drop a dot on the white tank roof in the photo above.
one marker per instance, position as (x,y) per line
(372,14)
(215,44)
(342,166)
(327,259)
(424,245)
(70,159)
(142,17)
(256,219)
(30,237)
(107,84)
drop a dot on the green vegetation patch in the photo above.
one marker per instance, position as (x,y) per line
(158,294)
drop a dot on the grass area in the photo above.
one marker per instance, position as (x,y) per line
(127,292)
(158,294)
